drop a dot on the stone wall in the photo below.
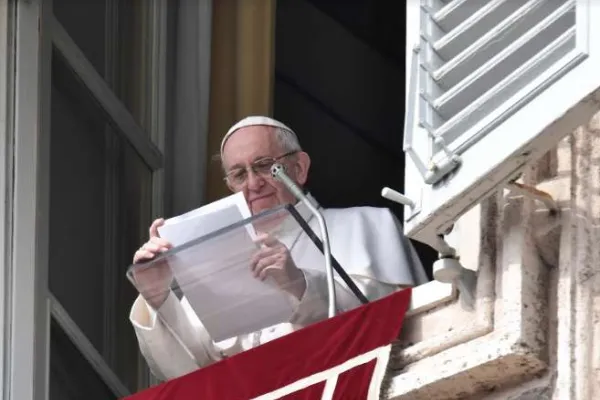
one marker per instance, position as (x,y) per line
(572,175)
(535,331)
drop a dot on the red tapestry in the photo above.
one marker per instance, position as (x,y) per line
(344,357)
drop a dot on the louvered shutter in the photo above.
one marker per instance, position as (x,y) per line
(491,85)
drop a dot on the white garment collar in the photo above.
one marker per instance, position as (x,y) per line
(303,209)
(290,230)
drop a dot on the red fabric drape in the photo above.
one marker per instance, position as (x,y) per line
(281,362)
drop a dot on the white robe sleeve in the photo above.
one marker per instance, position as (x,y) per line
(369,244)
(174,343)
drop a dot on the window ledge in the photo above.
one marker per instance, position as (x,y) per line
(429,296)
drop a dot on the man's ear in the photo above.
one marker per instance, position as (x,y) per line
(302,166)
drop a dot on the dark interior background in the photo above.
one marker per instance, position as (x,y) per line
(339,83)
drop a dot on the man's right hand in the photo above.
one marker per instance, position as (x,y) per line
(153,282)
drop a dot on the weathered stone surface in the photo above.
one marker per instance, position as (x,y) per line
(574,285)
(508,345)
(534,394)
(543,338)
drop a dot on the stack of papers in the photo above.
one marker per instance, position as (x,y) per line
(215,275)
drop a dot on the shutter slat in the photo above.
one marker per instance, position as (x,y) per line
(468,73)
(506,88)
(455,12)
(492,42)
(504,62)
(475,26)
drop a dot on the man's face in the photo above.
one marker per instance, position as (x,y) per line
(257,145)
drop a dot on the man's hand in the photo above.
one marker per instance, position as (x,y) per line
(154,281)
(274,260)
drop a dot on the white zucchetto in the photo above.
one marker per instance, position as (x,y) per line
(254,121)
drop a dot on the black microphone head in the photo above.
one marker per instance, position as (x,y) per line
(276,170)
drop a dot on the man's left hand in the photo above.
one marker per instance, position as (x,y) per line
(274,260)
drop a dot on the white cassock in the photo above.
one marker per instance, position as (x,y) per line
(366,241)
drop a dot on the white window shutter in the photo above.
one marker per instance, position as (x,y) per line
(491,85)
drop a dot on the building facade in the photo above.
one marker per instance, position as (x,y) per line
(534,331)
(109,114)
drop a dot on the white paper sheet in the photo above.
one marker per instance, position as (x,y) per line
(206,219)
(215,275)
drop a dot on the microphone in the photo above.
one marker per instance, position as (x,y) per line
(278,172)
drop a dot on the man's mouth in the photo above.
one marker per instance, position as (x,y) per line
(265,196)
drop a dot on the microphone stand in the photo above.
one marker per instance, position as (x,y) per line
(278,172)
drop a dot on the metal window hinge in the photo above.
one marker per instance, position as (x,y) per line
(447,269)
(438,170)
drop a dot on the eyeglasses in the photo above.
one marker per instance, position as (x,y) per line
(262,167)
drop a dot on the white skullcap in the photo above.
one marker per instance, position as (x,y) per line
(254,121)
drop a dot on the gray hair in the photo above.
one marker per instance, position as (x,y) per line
(287,140)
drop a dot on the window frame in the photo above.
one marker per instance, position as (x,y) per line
(499,157)
(24,98)
(87,349)
(25,79)
(186,176)
(150,154)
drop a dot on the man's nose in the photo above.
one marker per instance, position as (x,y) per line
(255,181)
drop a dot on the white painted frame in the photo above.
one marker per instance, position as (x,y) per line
(500,155)
(25,141)
(430,295)
(6,168)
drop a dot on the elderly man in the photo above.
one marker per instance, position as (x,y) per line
(366,241)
